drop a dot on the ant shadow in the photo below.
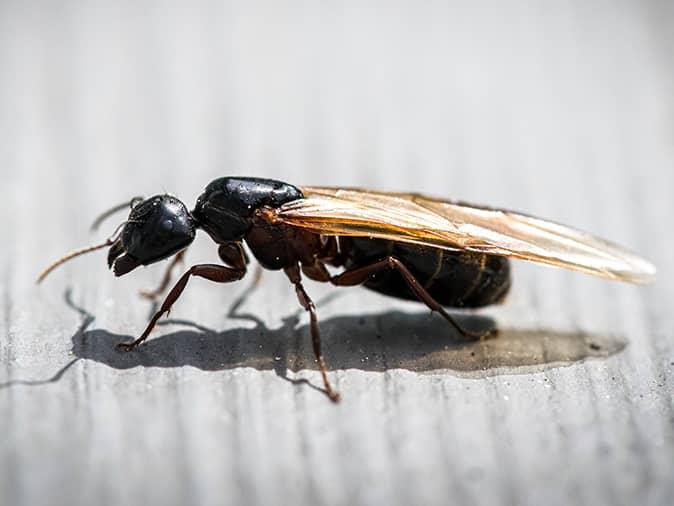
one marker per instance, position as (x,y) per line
(419,342)
(87,320)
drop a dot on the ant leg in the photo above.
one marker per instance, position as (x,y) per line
(217,273)
(316,271)
(233,254)
(295,277)
(154,294)
(359,275)
(332,251)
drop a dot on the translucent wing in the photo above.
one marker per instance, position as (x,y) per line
(418,219)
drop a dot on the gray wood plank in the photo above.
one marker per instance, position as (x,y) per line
(563,110)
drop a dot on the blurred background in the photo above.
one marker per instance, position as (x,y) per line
(560,109)
(461,98)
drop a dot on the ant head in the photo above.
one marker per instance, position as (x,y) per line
(157,228)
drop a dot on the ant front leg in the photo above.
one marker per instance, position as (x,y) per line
(216,273)
(231,253)
(166,280)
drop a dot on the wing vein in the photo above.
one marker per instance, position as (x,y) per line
(455,226)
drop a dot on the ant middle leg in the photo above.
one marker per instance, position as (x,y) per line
(295,277)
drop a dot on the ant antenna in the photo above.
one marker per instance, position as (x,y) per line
(133,203)
(109,242)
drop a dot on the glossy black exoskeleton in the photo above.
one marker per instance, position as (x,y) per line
(157,228)
(454,279)
(234,210)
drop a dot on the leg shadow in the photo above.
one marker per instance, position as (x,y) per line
(418,342)
(392,340)
(87,319)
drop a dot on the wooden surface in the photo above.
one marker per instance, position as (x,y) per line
(563,110)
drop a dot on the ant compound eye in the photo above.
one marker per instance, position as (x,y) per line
(167,225)
(157,228)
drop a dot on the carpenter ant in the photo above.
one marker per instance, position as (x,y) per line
(405,245)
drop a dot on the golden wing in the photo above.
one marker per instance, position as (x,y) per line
(456,226)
